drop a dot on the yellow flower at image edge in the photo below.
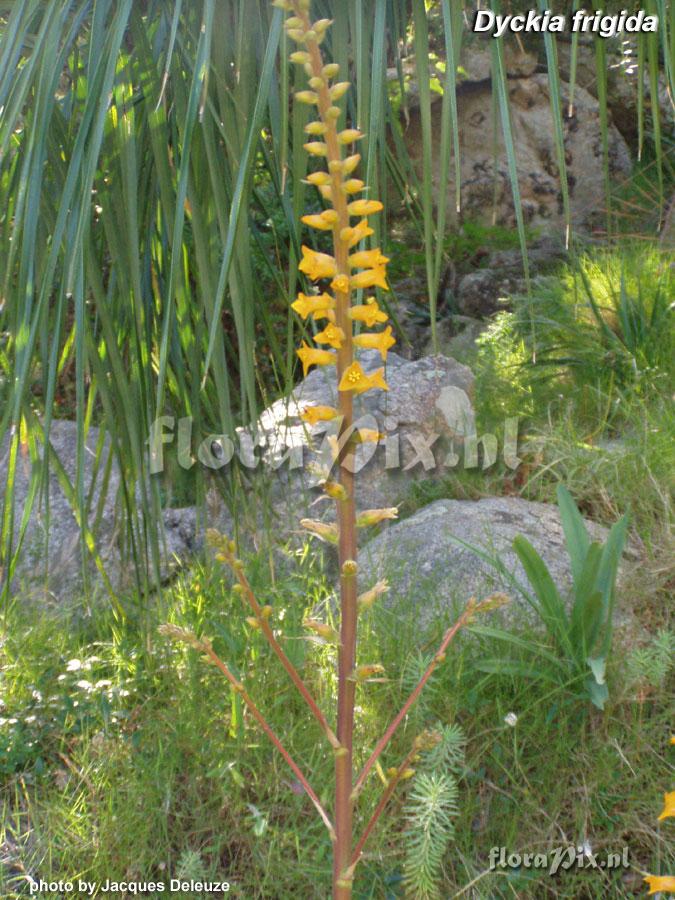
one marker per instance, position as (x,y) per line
(317,265)
(309,356)
(376,277)
(664,883)
(668,806)
(355,379)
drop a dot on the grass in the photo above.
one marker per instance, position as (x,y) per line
(119,762)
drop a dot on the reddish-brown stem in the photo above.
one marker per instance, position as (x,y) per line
(437,658)
(285,661)
(379,809)
(346,510)
(271,734)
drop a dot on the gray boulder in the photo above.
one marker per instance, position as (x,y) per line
(430,571)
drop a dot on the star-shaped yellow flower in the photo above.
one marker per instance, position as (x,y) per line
(668,806)
(352,236)
(340,284)
(332,335)
(369,313)
(661,883)
(381,340)
(317,306)
(314,414)
(317,265)
(355,379)
(309,356)
(376,277)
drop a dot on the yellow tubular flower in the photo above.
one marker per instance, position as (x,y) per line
(367,436)
(364,207)
(314,305)
(332,335)
(323,629)
(370,278)
(340,284)
(355,379)
(324,221)
(317,265)
(309,356)
(668,806)
(369,313)
(359,232)
(330,70)
(381,340)
(367,599)
(367,258)
(314,414)
(661,883)
(362,673)
(321,529)
(375,516)
(301,57)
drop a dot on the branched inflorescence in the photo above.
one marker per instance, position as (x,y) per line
(344,326)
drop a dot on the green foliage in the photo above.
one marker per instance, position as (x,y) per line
(429,814)
(582,639)
(648,667)
(607,322)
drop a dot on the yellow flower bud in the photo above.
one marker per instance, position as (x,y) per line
(335,166)
(346,234)
(330,70)
(326,192)
(253,622)
(338,90)
(309,97)
(333,113)
(353,186)
(317,178)
(349,135)
(293,22)
(266,611)
(335,490)
(323,221)
(349,163)
(364,207)
(316,128)
(316,82)
(316,148)
(375,516)
(297,35)
(349,568)
(300,57)
(321,25)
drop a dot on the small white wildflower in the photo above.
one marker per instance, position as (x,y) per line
(73,665)
(84,684)
(511,719)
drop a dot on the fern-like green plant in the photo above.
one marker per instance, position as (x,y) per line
(448,754)
(429,814)
(648,667)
